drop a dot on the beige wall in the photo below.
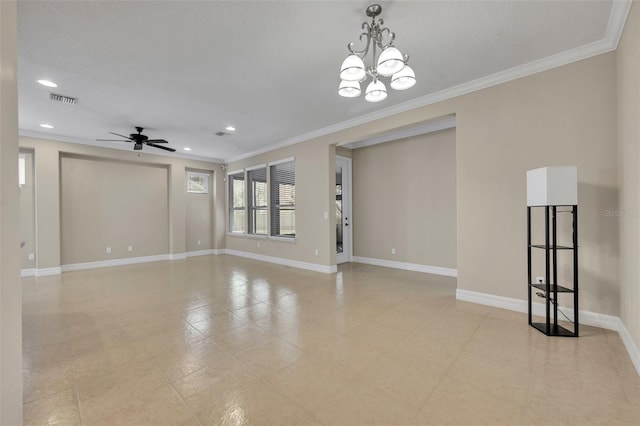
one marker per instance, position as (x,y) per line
(199,218)
(564,116)
(10,289)
(47,178)
(628,56)
(112,204)
(344,152)
(404,197)
(49,155)
(27,214)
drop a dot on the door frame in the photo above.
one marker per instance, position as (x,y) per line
(347,231)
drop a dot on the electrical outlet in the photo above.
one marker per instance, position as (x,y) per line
(258,244)
(540,280)
(130,248)
(393,250)
(32,256)
(316,252)
(199,242)
(108,250)
(325,215)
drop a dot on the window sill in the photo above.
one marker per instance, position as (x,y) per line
(261,237)
(283,239)
(236,234)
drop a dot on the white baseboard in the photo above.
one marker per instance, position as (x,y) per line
(438,270)
(114,262)
(286,262)
(28,272)
(201,252)
(492,300)
(594,319)
(43,272)
(632,349)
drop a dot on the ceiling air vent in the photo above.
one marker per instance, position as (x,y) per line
(222,134)
(62,98)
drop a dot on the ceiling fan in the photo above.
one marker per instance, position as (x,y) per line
(139,140)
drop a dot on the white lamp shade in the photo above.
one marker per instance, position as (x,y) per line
(375,92)
(349,89)
(352,69)
(390,62)
(403,79)
(552,186)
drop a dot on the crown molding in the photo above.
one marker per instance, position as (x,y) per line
(80,141)
(617,18)
(615,26)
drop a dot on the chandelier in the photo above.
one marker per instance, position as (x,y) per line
(389,62)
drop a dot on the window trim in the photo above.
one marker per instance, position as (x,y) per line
(248,208)
(256,167)
(284,160)
(273,207)
(230,201)
(249,202)
(22,169)
(206,177)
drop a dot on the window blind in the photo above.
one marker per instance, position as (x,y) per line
(283,199)
(237,197)
(257,195)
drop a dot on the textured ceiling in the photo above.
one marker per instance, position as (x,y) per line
(185,70)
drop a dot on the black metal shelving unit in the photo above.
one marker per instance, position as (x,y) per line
(550,286)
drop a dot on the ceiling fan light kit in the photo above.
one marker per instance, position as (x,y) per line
(390,62)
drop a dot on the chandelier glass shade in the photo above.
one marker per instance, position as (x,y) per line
(349,89)
(403,79)
(390,62)
(352,69)
(387,61)
(375,92)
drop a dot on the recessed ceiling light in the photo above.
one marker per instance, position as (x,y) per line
(187,148)
(47,83)
(230,128)
(46,126)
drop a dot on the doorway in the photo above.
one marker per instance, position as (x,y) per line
(344,236)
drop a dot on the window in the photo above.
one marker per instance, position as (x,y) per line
(198,183)
(283,199)
(22,169)
(257,196)
(237,197)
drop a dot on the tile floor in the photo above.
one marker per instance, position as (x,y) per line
(220,340)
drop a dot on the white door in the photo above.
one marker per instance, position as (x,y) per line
(344,249)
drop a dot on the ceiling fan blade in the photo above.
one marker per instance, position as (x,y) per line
(111,140)
(166,148)
(122,136)
(156,141)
